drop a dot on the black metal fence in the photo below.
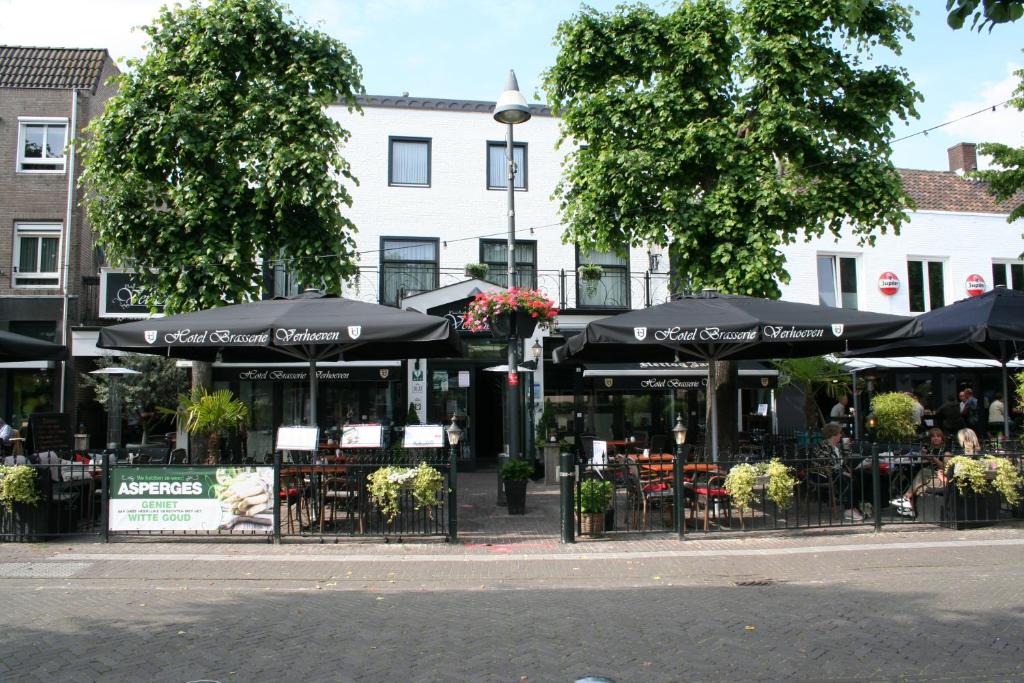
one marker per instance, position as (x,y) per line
(869,485)
(326,500)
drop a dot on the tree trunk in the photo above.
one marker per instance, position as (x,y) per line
(725,389)
(213,449)
(202,376)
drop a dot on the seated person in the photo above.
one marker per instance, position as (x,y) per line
(931,476)
(968,440)
(828,458)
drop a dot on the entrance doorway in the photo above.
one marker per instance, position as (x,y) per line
(474,396)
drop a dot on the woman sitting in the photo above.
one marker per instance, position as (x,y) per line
(828,458)
(933,476)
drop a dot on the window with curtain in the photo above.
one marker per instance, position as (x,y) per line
(408,266)
(497,165)
(494,253)
(1008,274)
(926,285)
(409,162)
(837,281)
(612,290)
(36,254)
(41,145)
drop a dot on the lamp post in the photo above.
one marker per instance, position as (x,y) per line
(510,109)
(679,434)
(454,435)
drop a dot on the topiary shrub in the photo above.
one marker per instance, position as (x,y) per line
(895,414)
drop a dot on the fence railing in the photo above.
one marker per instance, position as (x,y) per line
(110,499)
(866,485)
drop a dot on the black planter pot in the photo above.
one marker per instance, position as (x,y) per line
(519,324)
(515,496)
(25,522)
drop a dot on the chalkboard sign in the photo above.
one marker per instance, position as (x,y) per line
(50,432)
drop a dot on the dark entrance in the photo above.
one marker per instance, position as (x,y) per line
(465,389)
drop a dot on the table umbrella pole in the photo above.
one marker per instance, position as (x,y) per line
(312,392)
(713,398)
(1006,402)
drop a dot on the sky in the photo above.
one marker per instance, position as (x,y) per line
(462,49)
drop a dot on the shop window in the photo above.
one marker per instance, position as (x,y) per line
(837,281)
(44,330)
(41,145)
(497,165)
(494,253)
(1008,274)
(409,162)
(408,266)
(926,284)
(36,252)
(612,289)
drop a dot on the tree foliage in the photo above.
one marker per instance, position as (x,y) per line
(1006,182)
(814,377)
(983,12)
(157,386)
(217,150)
(730,131)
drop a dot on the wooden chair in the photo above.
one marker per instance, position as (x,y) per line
(341,493)
(649,486)
(709,492)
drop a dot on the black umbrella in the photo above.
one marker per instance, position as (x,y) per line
(18,347)
(312,327)
(714,326)
(987,326)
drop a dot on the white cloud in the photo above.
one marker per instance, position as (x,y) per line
(1004,125)
(78,23)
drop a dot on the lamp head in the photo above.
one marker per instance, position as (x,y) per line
(454,433)
(679,431)
(872,422)
(537,350)
(511,107)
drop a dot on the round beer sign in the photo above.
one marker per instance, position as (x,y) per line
(888,283)
(975,285)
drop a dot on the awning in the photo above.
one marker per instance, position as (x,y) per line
(670,369)
(923,362)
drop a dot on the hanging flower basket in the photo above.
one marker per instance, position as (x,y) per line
(516,311)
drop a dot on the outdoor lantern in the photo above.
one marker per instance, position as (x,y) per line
(538,350)
(872,422)
(679,431)
(454,433)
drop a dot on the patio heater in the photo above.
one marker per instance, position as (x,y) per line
(114,402)
(679,435)
(454,436)
(511,109)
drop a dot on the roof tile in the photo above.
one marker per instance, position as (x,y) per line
(50,67)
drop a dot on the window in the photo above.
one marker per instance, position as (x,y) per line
(927,285)
(497,165)
(837,281)
(45,330)
(36,251)
(612,290)
(495,254)
(1009,275)
(409,162)
(41,145)
(408,266)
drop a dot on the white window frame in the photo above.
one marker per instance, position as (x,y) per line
(1005,263)
(837,276)
(23,123)
(37,230)
(946,291)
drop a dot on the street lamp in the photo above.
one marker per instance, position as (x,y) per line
(510,109)
(454,436)
(679,434)
(537,350)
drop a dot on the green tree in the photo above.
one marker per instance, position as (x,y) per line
(814,377)
(729,131)
(983,12)
(158,386)
(211,413)
(217,150)
(1007,181)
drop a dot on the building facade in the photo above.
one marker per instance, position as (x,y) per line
(47,259)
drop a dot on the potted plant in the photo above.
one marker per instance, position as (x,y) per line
(590,274)
(777,478)
(593,500)
(518,311)
(515,473)
(208,414)
(477,271)
(19,495)
(894,415)
(388,484)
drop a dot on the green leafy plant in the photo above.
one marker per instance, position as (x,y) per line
(18,485)
(895,414)
(412,417)
(740,484)
(590,272)
(545,424)
(477,270)
(387,485)
(969,474)
(1007,479)
(987,473)
(158,386)
(814,377)
(780,483)
(743,477)
(210,413)
(516,469)
(594,496)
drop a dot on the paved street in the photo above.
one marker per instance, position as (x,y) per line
(912,605)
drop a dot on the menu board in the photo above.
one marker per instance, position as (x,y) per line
(297,438)
(50,432)
(361,436)
(423,436)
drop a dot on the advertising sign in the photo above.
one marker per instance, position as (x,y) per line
(888,283)
(121,298)
(192,499)
(975,285)
(361,436)
(423,436)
